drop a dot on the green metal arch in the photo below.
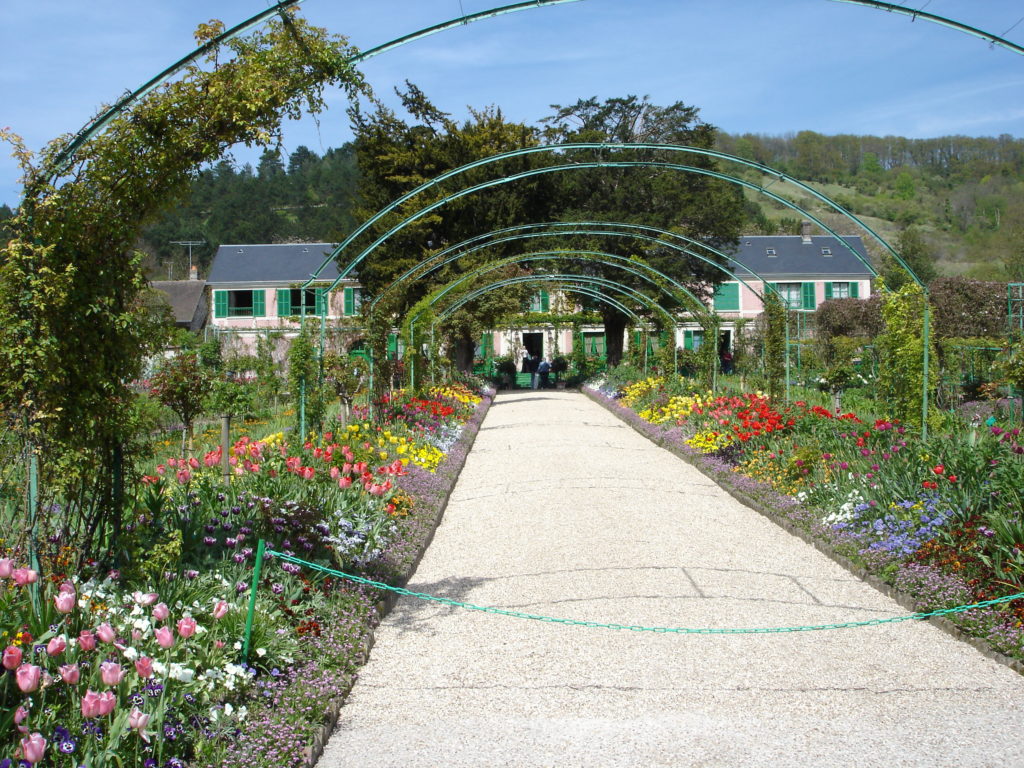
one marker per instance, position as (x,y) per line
(621,262)
(453,253)
(561,279)
(98,123)
(558,148)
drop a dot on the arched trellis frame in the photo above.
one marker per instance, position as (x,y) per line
(562,280)
(646,164)
(96,125)
(678,292)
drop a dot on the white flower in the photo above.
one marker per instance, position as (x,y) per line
(261,652)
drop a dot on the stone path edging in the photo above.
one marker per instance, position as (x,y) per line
(385,604)
(723,481)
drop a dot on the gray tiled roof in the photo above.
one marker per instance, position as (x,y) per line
(795,257)
(187,299)
(284,263)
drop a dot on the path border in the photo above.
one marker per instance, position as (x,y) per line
(658,436)
(450,469)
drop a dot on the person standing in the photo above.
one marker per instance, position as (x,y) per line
(534,364)
(543,369)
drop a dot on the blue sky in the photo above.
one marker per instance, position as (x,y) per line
(751,65)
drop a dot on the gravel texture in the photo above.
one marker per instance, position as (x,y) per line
(563,510)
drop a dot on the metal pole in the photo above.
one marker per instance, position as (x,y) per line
(787,355)
(260,549)
(33,506)
(924,386)
(225,447)
(302,409)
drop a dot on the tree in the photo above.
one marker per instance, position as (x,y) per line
(916,253)
(395,156)
(699,206)
(182,383)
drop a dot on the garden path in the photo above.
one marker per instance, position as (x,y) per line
(563,510)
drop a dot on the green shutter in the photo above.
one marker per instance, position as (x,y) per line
(807,294)
(545,302)
(687,339)
(350,302)
(487,345)
(259,304)
(284,302)
(854,290)
(320,295)
(220,303)
(392,345)
(828,291)
(727,297)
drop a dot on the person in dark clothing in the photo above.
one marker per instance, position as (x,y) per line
(543,369)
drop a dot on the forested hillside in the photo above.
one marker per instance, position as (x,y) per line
(961,198)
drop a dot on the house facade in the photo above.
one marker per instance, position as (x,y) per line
(254,291)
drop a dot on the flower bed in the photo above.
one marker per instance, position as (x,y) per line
(140,665)
(940,519)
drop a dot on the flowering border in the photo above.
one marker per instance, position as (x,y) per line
(784,511)
(432,491)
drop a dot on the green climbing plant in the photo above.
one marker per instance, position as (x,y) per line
(901,352)
(774,343)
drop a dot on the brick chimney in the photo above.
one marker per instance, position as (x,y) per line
(193,272)
(805,232)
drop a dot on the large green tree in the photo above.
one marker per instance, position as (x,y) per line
(397,153)
(699,206)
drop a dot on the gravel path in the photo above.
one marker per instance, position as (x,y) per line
(563,510)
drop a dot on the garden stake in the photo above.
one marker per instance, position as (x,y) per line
(260,548)
(225,441)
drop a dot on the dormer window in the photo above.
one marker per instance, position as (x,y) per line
(769,251)
(826,251)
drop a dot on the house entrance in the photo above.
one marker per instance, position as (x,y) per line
(534,344)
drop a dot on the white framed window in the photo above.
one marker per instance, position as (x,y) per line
(791,294)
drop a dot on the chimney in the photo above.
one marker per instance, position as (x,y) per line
(193,272)
(805,232)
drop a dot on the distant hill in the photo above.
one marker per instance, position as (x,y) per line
(965,196)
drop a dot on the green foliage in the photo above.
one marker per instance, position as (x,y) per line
(229,398)
(308,392)
(74,328)
(901,353)
(916,254)
(848,317)
(774,340)
(966,308)
(182,384)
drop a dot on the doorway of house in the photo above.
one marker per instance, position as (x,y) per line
(534,344)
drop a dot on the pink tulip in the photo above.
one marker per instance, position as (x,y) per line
(70,674)
(86,640)
(218,644)
(145,598)
(56,646)
(12,657)
(65,602)
(212,459)
(220,609)
(91,704)
(345,482)
(161,612)
(184,476)
(107,703)
(144,666)
(137,721)
(165,637)
(136,635)
(19,717)
(160,469)
(28,676)
(67,586)
(187,627)
(24,576)
(111,673)
(334,473)
(106,633)
(6,567)
(33,748)
(193,462)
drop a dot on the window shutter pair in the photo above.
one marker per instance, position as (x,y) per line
(392,345)
(727,297)
(284,302)
(320,302)
(259,304)
(220,303)
(807,296)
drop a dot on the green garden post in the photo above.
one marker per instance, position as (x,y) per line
(369,398)
(225,447)
(33,507)
(257,569)
(924,387)
(302,409)
(787,355)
